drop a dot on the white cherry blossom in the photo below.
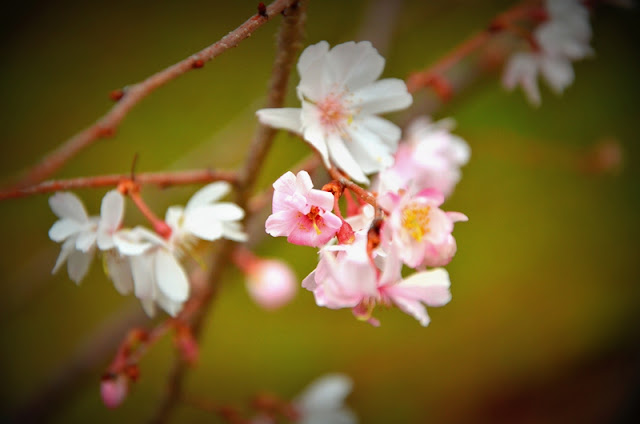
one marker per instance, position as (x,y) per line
(80,233)
(322,402)
(341,97)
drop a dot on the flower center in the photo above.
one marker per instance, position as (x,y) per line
(314,216)
(415,219)
(333,113)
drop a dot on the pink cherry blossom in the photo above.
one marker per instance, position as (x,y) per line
(346,277)
(417,228)
(430,157)
(301,213)
(114,390)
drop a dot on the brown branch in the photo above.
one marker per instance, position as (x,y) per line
(355,188)
(107,125)
(160,179)
(288,47)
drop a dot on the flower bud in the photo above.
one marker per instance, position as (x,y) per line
(271,283)
(113,390)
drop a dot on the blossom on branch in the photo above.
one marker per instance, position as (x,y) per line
(564,37)
(302,213)
(80,233)
(341,97)
(323,401)
(430,157)
(418,229)
(346,277)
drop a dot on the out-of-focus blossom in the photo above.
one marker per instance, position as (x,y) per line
(417,227)
(114,390)
(271,283)
(80,233)
(341,97)
(301,213)
(430,157)
(322,402)
(564,37)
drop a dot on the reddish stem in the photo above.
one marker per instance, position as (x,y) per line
(160,179)
(107,125)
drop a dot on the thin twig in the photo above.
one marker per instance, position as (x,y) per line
(160,179)
(288,47)
(107,125)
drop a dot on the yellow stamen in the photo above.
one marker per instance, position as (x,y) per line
(415,218)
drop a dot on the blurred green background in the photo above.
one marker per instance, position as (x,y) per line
(543,326)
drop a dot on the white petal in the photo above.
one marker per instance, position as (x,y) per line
(68,205)
(143,278)
(284,118)
(414,308)
(111,210)
(170,276)
(129,245)
(64,228)
(344,160)
(233,231)
(78,264)
(149,306)
(208,194)
(199,222)
(432,287)
(223,211)
(355,65)
(119,270)
(388,132)
(67,247)
(311,54)
(325,393)
(171,307)
(369,151)
(386,95)
(558,73)
(86,240)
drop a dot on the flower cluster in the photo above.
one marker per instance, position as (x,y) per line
(138,259)
(561,39)
(362,256)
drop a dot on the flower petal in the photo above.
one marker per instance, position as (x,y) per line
(67,247)
(284,118)
(200,223)
(233,231)
(119,271)
(64,228)
(386,95)
(78,264)
(355,65)
(344,160)
(86,240)
(68,205)
(208,194)
(171,278)
(325,393)
(143,278)
(111,211)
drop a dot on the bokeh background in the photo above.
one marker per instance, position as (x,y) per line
(543,325)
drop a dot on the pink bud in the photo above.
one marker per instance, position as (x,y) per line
(271,283)
(113,390)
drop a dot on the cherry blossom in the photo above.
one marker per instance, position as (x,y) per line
(302,213)
(346,277)
(341,97)
(430,157)
(322,401)
(417,227)
(153,269)
(564,37)
(206,218)
(80,233)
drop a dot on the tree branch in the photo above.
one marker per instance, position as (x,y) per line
(288,47)
(160,179)
(127,99)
